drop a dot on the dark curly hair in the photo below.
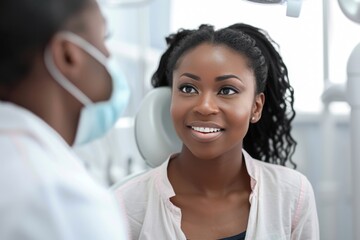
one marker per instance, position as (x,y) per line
(269,139)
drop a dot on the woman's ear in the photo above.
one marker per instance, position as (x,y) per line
(258,105)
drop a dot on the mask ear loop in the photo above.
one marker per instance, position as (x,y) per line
(62,80)
(86,46)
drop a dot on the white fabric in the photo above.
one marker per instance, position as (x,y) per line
(282,204)
(45,192)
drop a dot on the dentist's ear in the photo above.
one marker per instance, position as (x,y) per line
(67,57)
(258,105)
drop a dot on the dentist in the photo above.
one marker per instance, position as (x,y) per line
(59,87)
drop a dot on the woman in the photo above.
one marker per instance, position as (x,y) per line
(232,107)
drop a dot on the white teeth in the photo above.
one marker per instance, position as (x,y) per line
(206,129)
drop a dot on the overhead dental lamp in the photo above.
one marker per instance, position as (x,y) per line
(293,6)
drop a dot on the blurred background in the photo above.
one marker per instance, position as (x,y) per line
(315,47)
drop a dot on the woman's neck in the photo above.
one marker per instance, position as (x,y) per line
(213,177)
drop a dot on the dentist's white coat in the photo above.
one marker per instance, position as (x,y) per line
(45,192)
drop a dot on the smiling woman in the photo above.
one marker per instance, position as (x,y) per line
(213,87)
(232,108)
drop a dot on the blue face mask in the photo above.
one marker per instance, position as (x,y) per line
(95,118)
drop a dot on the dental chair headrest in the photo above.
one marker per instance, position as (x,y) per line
(154,131)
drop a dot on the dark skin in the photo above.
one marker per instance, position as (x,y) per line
(221,209)
(214,88)
(41,94)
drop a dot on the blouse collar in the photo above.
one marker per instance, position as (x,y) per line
(165,187)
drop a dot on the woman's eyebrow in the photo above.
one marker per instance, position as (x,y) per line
(224,77)
(219,78)
(191,76)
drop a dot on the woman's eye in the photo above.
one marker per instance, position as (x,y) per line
(188,89)
(227,91)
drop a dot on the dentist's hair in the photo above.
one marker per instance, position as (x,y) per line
(26,27)
(269,139)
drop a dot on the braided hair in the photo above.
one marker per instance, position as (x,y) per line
(269,139)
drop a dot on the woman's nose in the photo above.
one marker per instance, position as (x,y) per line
(206,104)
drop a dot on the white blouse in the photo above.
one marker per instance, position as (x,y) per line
(282,204)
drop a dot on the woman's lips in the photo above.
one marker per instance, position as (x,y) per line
(206,134)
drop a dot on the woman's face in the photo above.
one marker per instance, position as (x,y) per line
(213,100)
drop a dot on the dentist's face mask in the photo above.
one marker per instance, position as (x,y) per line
(95,118)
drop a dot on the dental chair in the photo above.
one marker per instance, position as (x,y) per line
(155,135)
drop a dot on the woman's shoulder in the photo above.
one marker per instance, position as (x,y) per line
(282,178)
(258,169)
(133,195)
(139,186)
(136,181)
(277,170)
(141,195)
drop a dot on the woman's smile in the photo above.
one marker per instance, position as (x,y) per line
(204,134)
(205,131)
